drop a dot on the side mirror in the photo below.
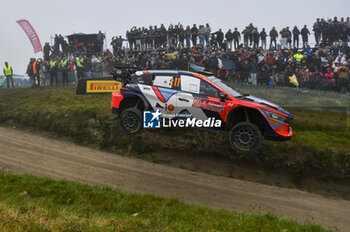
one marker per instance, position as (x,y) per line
(223,97)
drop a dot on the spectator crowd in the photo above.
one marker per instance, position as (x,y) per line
(234,56)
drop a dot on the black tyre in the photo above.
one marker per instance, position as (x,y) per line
(245,137)
(131,120)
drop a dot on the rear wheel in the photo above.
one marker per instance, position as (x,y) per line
(245,137)
(131,120)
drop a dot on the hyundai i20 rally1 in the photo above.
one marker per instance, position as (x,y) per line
(186,98)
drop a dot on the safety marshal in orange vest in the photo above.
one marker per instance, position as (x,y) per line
(8,72)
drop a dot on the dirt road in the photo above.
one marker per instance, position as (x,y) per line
(22,152)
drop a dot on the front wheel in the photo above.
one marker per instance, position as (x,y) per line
(131,121)
(245,137)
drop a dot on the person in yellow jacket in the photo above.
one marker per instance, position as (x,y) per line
(53,71)
(64,66)
(298,57)
(79,64)
(8,72)
(343,74)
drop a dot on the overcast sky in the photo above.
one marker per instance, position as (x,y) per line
(115,17)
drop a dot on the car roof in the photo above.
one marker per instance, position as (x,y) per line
(184,73)
(175,72)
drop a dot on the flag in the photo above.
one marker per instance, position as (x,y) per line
(197,68)
(228,64)
(293,80)
(32,35)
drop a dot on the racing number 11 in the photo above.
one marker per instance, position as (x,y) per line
(175,82)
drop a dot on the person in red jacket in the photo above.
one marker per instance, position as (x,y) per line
(329,79)
(223,73)
(329,76)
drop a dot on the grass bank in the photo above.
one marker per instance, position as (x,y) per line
(40,204)
(320,145)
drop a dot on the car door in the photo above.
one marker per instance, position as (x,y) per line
(190,87)
(209,101)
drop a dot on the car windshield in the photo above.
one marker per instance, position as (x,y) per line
(233,92)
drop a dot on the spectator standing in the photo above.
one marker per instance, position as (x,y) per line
(100,38)
(188,36)
(317,31)
(289,37)
(343,74)
(207,31)
(47,49)
(256,37)
(163,34)
(30,72)
(53,71)
(8,72)
(284,35)
(296,34)
(213,63)
(41,75)
(236,38)
(245,71)
(253,72)
(36,72)
(181,36)
(149,39)
(219,37)
(273,36)
(194,34)
(201,35)
(171,35)
(229,38)
(263,36)
(329,77)
(45,67)
(71,71)
(79,63)
(156,37)
(305,35)
(64,66)
(130,37)
(246,35)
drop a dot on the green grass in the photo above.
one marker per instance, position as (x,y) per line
(292,97)
(320,145)
(40,204)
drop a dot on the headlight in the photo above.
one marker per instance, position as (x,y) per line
(274,116)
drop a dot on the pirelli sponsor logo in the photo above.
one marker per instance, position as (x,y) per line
(208,104)
(103,86)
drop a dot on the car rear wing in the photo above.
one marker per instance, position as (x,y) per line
(123,73)
(106,84)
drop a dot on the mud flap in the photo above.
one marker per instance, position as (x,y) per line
(98,85)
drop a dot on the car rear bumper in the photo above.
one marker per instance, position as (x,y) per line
(115,110)
(117,97)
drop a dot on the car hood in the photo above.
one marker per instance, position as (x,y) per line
(267,103)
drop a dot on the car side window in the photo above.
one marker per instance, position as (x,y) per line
(190,84)
(208,90)
(163,81)
(143,79)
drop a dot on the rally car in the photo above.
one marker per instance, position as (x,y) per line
(178,95)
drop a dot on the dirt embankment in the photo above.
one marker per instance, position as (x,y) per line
(22,152)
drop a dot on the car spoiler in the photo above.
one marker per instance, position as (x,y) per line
(106,84)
